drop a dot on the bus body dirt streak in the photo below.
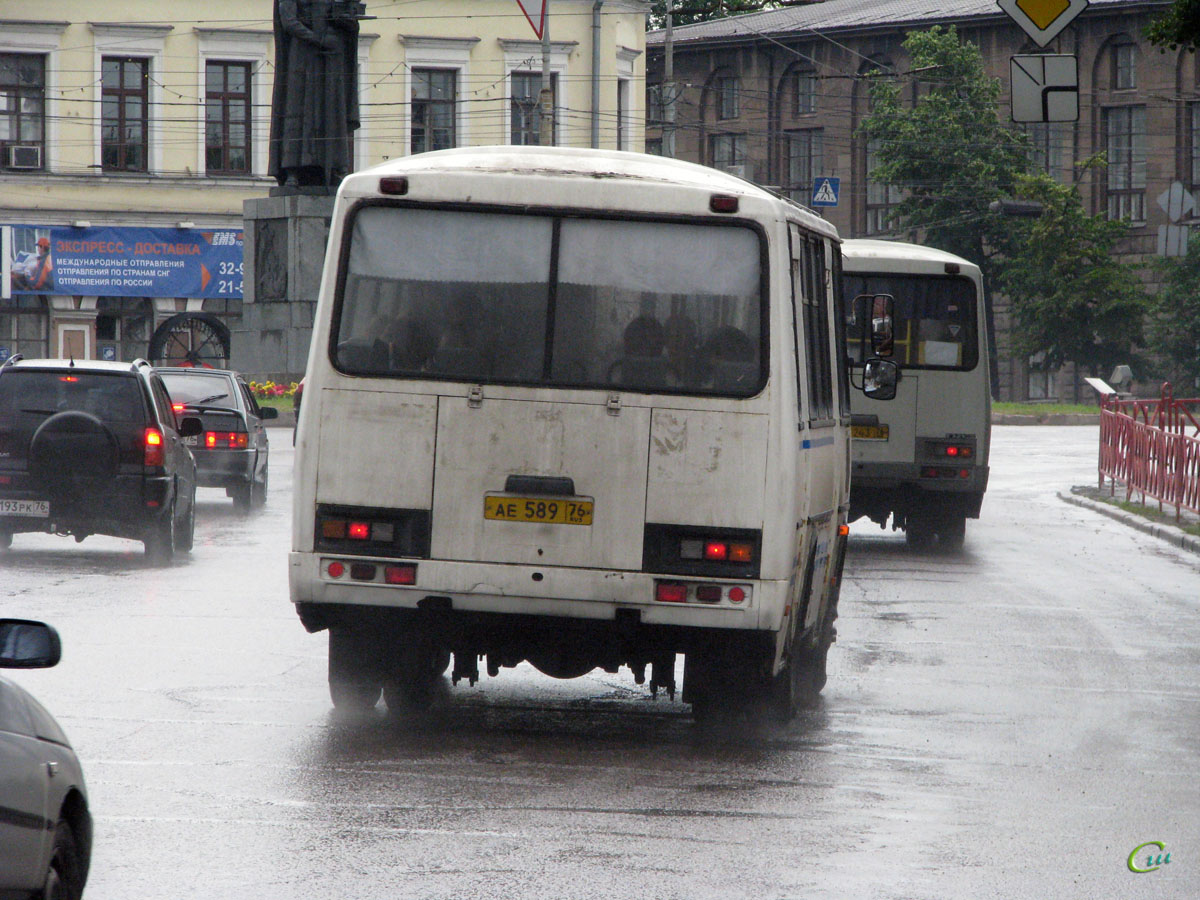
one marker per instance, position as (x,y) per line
(580,408)
(922,456)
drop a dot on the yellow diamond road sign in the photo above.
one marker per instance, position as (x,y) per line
(1042,20)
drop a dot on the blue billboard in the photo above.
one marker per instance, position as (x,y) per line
(127,262)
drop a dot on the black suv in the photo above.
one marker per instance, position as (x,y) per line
(91,447)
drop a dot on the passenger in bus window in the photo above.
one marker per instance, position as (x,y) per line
(732,360)
(683,347)
(642,363)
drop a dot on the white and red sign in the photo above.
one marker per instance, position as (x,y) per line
(535,12)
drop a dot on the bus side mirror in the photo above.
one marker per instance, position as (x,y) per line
(882,324)
(880,377)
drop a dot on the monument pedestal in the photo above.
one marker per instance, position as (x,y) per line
(284,253)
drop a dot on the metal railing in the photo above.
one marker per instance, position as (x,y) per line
(1153,448)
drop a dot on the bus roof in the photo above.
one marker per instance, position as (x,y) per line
(575,162)
(865,250)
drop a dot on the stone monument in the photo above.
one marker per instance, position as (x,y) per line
(314,113)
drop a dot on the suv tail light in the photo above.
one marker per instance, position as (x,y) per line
(154,453)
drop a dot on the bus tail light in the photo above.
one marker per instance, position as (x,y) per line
(696,550)
(670,592)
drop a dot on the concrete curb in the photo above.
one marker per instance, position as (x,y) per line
(1177,537)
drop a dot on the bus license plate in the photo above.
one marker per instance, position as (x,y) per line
(540,510)
(869,432)
(38,509)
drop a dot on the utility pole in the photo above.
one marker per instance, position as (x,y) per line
(546,95)
(668,86)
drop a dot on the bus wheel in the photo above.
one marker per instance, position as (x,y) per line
(951,532)
(414,685)
(352,686)
(918,531)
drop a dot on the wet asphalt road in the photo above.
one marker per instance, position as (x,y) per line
(1009,722)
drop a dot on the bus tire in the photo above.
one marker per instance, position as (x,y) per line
(353,687)
(951,532)
(413,686)
(919,531)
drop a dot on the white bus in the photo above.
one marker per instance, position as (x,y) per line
(577,408)
(921,457)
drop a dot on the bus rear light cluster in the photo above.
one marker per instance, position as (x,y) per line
(716,550)
(685,592)
(370,572)
(701,551)
(226,440)
(949,450)
(370,531)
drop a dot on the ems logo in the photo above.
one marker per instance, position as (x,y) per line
(825,191)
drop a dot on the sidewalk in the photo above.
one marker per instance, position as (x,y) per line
(1146,518)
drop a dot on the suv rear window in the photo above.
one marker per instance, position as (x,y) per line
(110,397)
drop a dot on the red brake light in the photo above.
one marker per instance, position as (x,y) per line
(717,550)
(400,574)
(670,593)
(336,570)
(68,378)
(952,451)
(178,407)
(393,184)
(736,595)
(154,454)
(359,531)
(226,440)
(723,203)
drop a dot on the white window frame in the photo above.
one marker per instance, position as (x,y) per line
(44,39)
(627,58)
(438,53)
(526,56)
(239,46)
(140,41)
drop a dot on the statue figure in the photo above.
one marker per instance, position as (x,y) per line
(314,102)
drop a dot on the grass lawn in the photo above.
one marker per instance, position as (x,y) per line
(1043,409)
(280,403)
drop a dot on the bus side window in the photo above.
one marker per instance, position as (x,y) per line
(797,253)
(816,326)
(840,360)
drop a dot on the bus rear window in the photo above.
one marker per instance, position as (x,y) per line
(935,319)
(540,300)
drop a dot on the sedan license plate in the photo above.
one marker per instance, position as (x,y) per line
(869,432)
(38,509)
(541,510)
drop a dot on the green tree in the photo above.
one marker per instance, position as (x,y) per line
(1175,317)
(1178,27)
(1072,298)
(948,153)
(688,12)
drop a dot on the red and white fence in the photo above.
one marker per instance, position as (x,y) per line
(1153,448)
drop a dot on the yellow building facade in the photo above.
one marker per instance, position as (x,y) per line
(132,133)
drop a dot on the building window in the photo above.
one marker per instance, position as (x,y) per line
(22,111)
(1124,67)
(804,160)
(654,146)
(227,118)
(1050,147)
(526,86)
(806,92)
(1125,143)
(726,151)
(728,98)
(434,109)
(880,197)
(124,119)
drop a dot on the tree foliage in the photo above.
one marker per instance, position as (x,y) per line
(1175,318)
(1178,27)
(688,12)
(948,153)
(1072,298)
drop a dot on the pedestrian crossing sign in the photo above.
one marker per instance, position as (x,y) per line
(825,191)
